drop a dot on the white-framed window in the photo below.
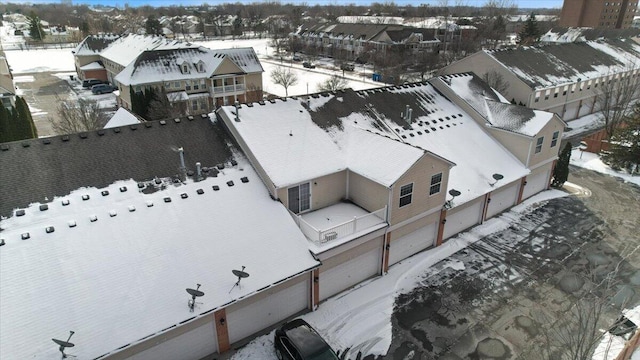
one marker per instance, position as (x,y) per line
(176,84)
(406,193)
(185,68)
(554,139)
(203,84)
(539,143)
(194,105)
(195,84)
(200,66)
(436,183)
(167,85)
(299,198)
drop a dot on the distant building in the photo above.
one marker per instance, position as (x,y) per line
(7,88)
(598,13)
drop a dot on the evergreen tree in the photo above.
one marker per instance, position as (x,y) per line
(27,125)
(84,28)
(561,171)
(5,136)
(153,26)
(624,150)
(530,33)
(35,27)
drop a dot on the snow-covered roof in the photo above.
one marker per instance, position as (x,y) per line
(295,142)
(126,48)
(580,34)
(554,65)
(122,117)
(92,66)
(497,111)
(167,64)
(293,148)
(94,44)
(122,277)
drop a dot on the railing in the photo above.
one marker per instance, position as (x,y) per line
(228,89)
(358,223)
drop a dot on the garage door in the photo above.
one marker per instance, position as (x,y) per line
(192,345)
(502,199)
(351,272)
(412,243)
(462,219)
(535,184)
(274,305)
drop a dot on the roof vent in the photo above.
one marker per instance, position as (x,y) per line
(104,192)
(162,122)
(133,127)
(113,213)
(244,179)
(1,242)
(229,183)
(20,212)
(93,218)
(46,141)
(140,185)
(83,135)
(261,102)
(190,117)
(100,132)
(149,203)
(25,236)
(184,195)
(220,166)
(116,130)
(49,229)
(4,147)
(204,116)
(234,163)
(200,191)
(123,188)
(177,120)
(132,208)
(72,223)
(65,202)
(44,207)
(167,199)
(216,187)
(85,197)
(148,124)
(158,181)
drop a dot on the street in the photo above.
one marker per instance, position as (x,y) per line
(516,283)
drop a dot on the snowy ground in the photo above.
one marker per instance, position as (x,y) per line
(592,161)
(360,318)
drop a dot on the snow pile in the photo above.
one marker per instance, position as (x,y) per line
(592,161)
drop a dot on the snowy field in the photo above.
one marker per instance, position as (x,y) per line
(61,60)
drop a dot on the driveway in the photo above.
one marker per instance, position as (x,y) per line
(497,298)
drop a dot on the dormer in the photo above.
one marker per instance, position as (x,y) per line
(200,66)
(184,66)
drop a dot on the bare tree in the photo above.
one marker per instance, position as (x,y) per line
(615,97)
(284,77)
(334,83)
(496,81)
(77,116)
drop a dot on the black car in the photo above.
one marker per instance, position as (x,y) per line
(308,65)
(88,83)
(297,340)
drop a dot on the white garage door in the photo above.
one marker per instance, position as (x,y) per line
(275,305)
(535,184)
(462,219)
(503,199)
(412,243)
(194,344)
(350,273)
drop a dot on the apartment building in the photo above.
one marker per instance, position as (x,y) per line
(598,13)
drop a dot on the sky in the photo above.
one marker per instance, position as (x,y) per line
(156,3)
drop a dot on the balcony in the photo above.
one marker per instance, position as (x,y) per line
(228,89)
(338,222)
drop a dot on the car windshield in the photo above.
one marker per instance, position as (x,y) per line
(325,354)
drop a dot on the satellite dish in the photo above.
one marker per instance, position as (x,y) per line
(64,344)
(454,192)
(241,274)
(449,203)
(498,177)
(194,294)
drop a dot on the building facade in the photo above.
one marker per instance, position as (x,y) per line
(598,13)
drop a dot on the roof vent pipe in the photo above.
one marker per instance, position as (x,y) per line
(183,168)
(237,105)
(198,171)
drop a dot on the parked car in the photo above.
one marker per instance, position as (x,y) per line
(308,65)
(297,58)
(102,89)
(88,83)
(297,340)
(347,67)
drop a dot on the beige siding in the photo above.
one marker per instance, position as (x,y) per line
(415,225)
(351,253)
(84,60)
(366,193)
(125,93)
(547,152)
(420,175)
(480,63)
(266,293)
(518,145)
(326,190)
(227,67)
(253,81)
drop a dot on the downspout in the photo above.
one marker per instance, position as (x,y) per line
(386,243)
(529,154)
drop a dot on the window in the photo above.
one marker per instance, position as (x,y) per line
(185,68)
(176,84)
(539,144)
(406,192)
(194,105)
(436,181)
(299,198)
(195,84)
(554,139)
(203,84)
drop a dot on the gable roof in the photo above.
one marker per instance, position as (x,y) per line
(140,152)
(494,108)
(122,117)
(128,47)
(320,132)
(554,65)
(94,44)
(355,31)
